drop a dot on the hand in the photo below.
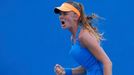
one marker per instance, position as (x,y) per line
(59,70)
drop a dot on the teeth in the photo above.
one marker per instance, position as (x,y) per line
(63,25)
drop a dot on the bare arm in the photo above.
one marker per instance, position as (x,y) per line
(59,70)
(78,70)
(89,41)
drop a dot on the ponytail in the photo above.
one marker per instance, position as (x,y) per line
(86,23)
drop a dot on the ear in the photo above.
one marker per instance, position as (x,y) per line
(76,17)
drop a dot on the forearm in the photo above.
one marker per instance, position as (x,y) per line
(107,68)
(78,70)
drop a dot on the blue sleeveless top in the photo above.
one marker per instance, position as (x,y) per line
(83,56)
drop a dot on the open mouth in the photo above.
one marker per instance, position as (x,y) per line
(62,22)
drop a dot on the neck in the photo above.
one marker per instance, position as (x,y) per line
(73,30)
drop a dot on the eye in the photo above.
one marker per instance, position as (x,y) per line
(65,13)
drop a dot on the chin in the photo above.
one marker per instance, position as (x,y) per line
(65,28)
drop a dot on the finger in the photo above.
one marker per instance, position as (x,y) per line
(59,66)
(59,71)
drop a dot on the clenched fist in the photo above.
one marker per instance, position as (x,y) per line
(59,70)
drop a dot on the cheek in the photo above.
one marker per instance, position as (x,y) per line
(69,20)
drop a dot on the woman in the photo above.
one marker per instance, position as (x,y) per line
(86,49)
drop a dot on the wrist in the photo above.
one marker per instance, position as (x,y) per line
(63,73)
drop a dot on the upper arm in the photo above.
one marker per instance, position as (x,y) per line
(90,42)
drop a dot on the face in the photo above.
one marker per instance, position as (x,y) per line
(67,19)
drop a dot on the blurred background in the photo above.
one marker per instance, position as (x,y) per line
(32,41)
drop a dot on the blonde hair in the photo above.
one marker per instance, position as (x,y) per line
(85,23)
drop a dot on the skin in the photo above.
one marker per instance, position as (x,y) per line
(88,40)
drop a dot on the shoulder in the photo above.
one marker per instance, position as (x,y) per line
(86,35)
(86,38)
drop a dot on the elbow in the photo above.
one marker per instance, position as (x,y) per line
(108,63)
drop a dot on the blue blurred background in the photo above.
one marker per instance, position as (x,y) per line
(32,41)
